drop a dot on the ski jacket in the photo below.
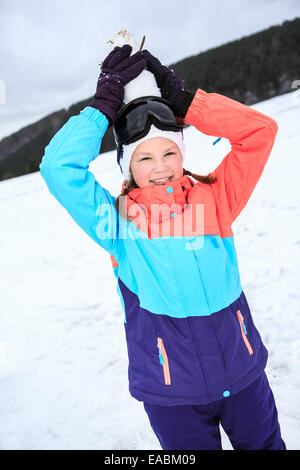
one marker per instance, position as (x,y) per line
(190,334)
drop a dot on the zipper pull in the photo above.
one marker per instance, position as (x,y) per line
(244,326)
(161,359)
(244,332)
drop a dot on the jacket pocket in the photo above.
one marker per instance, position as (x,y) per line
(163,359)
(244,332)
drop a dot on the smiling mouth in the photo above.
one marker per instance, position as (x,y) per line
(161,180)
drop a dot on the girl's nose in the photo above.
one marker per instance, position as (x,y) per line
(160,165)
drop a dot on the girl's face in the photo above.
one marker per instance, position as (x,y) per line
(156,161)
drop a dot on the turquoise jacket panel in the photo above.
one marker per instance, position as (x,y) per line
(65,168)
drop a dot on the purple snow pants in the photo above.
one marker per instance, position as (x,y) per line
(249,419)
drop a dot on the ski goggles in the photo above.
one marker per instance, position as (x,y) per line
(135,118)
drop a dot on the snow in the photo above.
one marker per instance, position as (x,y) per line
(63,356)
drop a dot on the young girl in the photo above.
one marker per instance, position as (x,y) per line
(196,359)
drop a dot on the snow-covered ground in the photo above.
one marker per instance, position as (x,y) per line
(63,356)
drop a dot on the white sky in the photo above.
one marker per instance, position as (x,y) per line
(50,49)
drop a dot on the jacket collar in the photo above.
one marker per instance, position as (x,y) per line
(173,193)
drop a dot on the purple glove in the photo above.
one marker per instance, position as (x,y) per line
(172,87)
(117,70)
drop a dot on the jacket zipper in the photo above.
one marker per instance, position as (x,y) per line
(163,359)
(244,332)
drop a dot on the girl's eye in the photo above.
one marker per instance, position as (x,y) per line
(147,158)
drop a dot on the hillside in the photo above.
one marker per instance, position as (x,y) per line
(249,70)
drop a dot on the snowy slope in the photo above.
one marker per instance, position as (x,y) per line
(63,356)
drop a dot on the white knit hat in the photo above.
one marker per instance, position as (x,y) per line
(143,85)
(127,150)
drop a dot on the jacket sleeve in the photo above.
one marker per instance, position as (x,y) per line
(251,135)
(65,169)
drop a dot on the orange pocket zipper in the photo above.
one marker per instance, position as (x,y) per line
(163,359)
(244,332)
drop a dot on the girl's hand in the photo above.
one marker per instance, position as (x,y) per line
(171,85)
(117,70)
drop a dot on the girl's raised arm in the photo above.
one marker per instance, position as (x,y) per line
(65,168)
(65,165)
(251,134)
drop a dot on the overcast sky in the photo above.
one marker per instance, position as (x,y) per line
(50,49)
